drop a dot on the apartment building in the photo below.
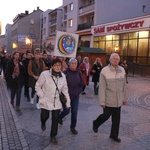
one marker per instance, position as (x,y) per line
(26,31)
(74,16)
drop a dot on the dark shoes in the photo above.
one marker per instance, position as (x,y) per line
(12,103)
(83,93)
(43,127)
(54,141)
(60,121)
(95,129)
(118,140)
(17,108)
(74,131)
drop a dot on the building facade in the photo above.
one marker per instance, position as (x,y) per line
(124,29)
(26,31)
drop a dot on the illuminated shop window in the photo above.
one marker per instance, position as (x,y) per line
(102,45)
(109,37)
(143,34)
(115,37)
(124,36)
(96,45)
(102,37)
(132,48)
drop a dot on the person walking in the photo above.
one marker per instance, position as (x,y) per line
(35,67)
(49,96)
(112,95)
(96,69)
(125,66)
(85,68)
(15,72)
(75,86)
(25,63)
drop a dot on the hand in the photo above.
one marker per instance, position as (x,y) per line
(103,106)
(21,63)
(124,103)
(36,77)
(67,107)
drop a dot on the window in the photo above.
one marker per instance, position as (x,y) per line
(32,21)
(44,20)
(71,7)
(143,34)
(70,23)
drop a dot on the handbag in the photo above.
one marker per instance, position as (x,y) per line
(62,97)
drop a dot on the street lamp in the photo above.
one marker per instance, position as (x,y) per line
(14,45)
(28,41)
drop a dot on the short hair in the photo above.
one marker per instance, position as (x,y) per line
(114,54)
(16,51)
(55,61)
(72,59)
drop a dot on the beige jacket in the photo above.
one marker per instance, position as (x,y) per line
(112,86)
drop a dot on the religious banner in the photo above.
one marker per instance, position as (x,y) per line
(66,44)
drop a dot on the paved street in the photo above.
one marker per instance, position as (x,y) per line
(21,130)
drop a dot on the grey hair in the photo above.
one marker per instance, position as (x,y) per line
(72,59)
(114,54)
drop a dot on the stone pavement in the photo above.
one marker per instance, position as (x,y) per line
(21,130)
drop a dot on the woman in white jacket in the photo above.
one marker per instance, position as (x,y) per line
(49,96)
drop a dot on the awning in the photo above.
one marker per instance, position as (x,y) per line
(91,50)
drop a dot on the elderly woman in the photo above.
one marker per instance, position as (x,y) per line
(75,85)
(49,96)
(85,68)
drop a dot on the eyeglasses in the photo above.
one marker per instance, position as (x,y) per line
(57,65)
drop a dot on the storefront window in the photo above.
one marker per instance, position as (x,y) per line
(109,47)
(133,35)
(142,47)
(132,48)
(102,45)
(109,37)
(95,38)
(124,47)
(115,37)
(96,45)
(102,38)
(124,36)
(143,34)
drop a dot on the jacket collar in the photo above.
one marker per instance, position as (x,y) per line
(117,69)
(53,73)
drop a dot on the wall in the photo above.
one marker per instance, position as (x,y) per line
(119,10)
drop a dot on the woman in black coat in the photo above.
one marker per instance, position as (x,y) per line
(96,69)
(15,71)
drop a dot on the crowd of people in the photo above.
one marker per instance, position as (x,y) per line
(46,76)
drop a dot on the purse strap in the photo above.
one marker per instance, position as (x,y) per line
(55,84)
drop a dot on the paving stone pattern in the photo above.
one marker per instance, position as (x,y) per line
(21,130)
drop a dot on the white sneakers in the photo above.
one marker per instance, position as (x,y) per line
(32,100)
(38,106)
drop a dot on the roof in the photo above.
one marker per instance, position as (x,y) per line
(91,50)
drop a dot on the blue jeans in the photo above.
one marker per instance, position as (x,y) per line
(74,110)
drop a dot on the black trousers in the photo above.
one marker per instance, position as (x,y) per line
(16,92)
(55,118)
(114,112)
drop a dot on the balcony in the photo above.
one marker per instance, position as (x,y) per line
(85,26)
(87,8)
(52,21)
